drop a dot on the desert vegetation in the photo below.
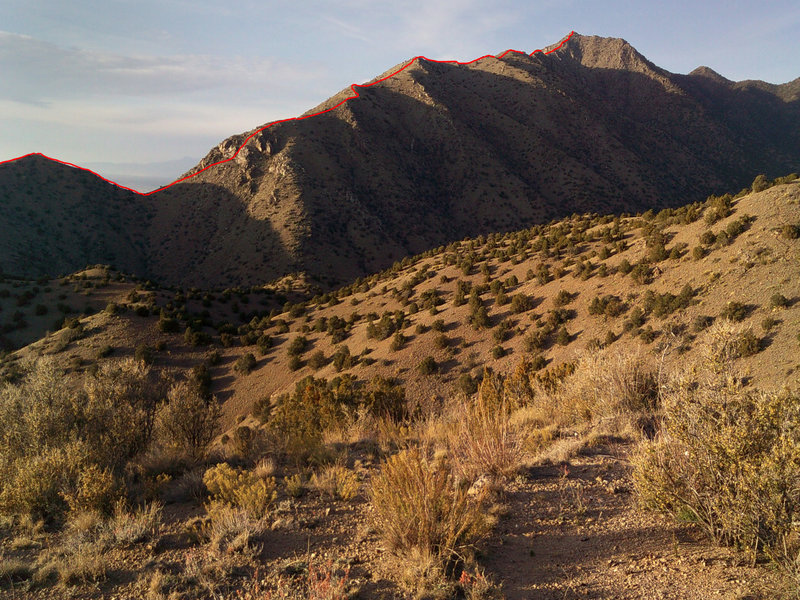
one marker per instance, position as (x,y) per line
(413,432)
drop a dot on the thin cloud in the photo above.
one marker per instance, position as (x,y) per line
(36,72)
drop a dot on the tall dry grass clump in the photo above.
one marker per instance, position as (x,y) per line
(419,507)
(727,457)
(602,384)
(484,442)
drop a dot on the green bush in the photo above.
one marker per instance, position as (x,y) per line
(245,363)
(778,301)
(317,360)
(467,384)
(562,298)
(144,354)
(734,311)
(760,183)
(790,231)
(341,358)
(398,341)
(428,366)
(521,303)
(297,346)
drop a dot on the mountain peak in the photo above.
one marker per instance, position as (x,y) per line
(598,52)
(708,73)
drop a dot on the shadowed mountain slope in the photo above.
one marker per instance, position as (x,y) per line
(440,151)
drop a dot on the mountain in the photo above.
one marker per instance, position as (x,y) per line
(589,339)
(439,151)
(56,217)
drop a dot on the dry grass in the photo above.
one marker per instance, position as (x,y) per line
(316,580)
(232,529)
(605,384)
(13,570)
(484,441)
(127,528)
(337,481)
(419,505)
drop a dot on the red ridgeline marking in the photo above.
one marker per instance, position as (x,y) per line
(259,130)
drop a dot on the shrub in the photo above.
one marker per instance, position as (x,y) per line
(768,323)
(608,305)
(229,528)
(384,398)
(298,420)
(417,506)
(747,344)
(562,336)
(498,352)
(428,366)
(641,273)
(61,441)
(297,346)
(295,486)
(534,341)
(318,360)
(760,183)
(734,311)
(295,363)
(127,528)
(104,351)
(263,344)
(790,231)
(726,458)
(604,383)
(467,384)
(143,354)
(562,298)
(167,324)
(337,481)
(398,341)
(707,238)
(479,318)
(341,358)
(778,300)
(240,489)
(188,421)
(95,491)
(245,363)
(701,322)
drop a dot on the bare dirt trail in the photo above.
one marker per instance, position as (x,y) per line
(575,532)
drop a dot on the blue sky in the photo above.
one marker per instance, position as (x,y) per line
(98,82)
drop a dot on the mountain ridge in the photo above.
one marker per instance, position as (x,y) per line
(441,150)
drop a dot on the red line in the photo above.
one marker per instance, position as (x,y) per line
(257,131)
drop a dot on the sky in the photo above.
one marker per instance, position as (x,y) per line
(140,90)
